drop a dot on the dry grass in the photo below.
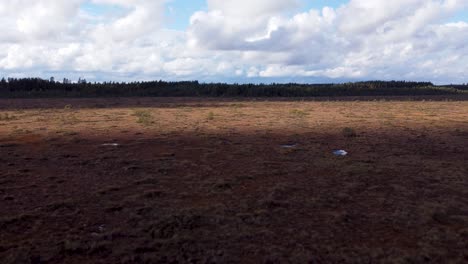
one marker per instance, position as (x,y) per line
(7,117)
(144,117)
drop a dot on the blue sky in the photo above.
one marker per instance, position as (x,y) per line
(179,12)
(319,4)
(236,41)
(462,15)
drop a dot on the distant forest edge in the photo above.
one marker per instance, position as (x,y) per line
(40,88)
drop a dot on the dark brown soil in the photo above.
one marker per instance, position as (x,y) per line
(211,182)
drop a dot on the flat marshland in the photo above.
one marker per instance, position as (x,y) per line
(238,181)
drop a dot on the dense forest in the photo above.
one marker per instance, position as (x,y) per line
(40,88)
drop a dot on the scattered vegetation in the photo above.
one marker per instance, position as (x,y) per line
(349,132)
(210,116)
(144,117)
(298,113)
(7,117)
(68,115)
(69,119)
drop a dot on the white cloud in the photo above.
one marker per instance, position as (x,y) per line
(24,20)
(144,17)
(250,9)
(363,39)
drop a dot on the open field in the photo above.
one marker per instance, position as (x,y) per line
(206,181)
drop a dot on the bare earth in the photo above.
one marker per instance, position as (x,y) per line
(205,181)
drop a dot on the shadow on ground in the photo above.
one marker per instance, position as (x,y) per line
(398,196)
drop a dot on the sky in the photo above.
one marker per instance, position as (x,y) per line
(238,41)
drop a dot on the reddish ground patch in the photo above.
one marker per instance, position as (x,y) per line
(204,181)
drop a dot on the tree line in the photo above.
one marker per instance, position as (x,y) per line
(40,88)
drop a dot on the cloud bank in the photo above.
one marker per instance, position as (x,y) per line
(238,41)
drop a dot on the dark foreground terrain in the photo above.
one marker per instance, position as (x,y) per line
(201,181)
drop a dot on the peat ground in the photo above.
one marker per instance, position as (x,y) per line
(201,181)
